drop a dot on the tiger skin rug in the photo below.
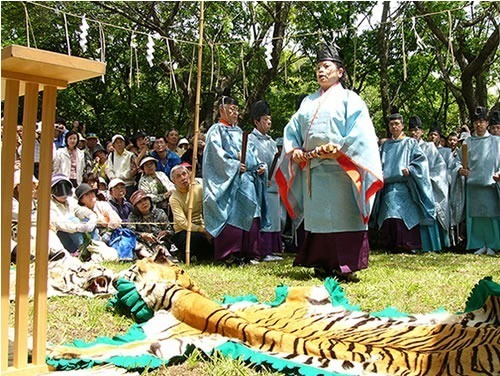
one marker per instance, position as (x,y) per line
(305,330)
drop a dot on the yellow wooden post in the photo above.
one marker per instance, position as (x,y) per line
(24,226)
(42,225)
(8,157)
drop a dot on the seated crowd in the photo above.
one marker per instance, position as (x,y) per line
(97,189)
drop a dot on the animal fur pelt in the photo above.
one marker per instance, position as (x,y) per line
(67,275)
(306,330)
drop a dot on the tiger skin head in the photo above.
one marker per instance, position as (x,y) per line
(160,269)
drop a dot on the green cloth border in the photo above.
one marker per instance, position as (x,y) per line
(238,350)
(481,292)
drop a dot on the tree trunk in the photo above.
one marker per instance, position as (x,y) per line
(473,67)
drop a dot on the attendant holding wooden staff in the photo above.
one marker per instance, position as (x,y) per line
(244,143)
(267,154)
(330,173)
(234,183)
(406,201)
(479,163)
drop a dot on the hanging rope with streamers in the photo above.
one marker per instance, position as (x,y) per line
(420,42)
(102,41)
(29,27)
(83,34)
(171,66)
(212,65)
(191,69)
(450,41)
(298,35)
(68,45)
(404,51)
(245,89)
(150,50)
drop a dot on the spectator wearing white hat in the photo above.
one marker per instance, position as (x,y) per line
(121,164)
(118,200)
(182,146)
(156,184)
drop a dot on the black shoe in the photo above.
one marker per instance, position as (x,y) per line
(321,273)
(232,260)
(54,256)
(346,277)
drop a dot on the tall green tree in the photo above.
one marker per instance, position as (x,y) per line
(473,43)
(378,48)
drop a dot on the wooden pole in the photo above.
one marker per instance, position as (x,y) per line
(24,226)
(43,219)
(465,162)
(195,140)
(8,146)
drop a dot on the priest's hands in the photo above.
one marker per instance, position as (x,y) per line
(463,172)
(298,156)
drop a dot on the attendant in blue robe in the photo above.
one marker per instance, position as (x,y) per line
(434,237)
(494,127)
(330,173)
(266,151)
(407,200)
(481,177)
(234,202)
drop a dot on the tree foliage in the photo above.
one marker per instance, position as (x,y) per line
(441,83)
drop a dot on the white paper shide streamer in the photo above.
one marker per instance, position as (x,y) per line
(420,42)
(150,50)
(267,41)
(83,34)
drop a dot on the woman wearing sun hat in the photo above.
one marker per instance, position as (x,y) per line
(150,225)
(107,218)
(70,221)
(156,184)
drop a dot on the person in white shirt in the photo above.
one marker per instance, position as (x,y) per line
(121,164)
(72,222)
(69,160)
(107,218)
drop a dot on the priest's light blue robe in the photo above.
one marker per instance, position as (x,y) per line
(264,148)
(408,198)
(340,194)
(482,193)
(436,236)
(231,197)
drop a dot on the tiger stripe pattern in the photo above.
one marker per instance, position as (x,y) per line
(308,329)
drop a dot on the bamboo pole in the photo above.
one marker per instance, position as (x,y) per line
(195,140)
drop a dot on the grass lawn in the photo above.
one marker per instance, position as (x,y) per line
(412,283)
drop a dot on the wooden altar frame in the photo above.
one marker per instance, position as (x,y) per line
(26,71)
